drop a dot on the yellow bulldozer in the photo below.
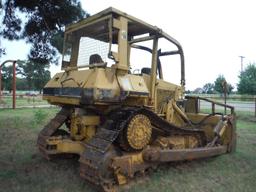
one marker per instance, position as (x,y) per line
(121,120)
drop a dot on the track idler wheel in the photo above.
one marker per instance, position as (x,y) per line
(137,133)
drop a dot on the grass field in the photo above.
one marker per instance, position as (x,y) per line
(21,101)
(23,169)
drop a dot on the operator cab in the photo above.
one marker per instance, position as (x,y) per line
(116,39)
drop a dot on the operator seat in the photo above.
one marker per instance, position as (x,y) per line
(95,58)
(146,70)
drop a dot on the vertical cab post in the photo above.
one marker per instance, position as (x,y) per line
(122,57)
(75,51)
(153,73)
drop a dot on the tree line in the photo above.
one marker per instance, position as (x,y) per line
(246,84)
(41,24)
(30,76)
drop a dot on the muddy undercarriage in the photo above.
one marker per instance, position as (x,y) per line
(110,158)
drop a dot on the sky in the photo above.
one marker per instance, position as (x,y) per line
(213,33)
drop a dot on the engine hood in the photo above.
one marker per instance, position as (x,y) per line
(93,85)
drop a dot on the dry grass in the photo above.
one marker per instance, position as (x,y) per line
(22,168)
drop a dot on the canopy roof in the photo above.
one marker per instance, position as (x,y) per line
(98,24)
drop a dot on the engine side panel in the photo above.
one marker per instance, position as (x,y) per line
(93,86)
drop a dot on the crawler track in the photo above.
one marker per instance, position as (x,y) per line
(50,129)
(95,161)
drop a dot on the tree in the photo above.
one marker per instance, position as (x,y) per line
(21,84)
(247,80)
(36,74)
(7,77)
(229,88)
(2,52)
(26,69)
(219,85)
(44,25)
(41,77)
(208,88)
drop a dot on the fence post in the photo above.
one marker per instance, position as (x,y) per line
(14,81)
(14,85)
(224,84)
(198,105)
(255,106)
(0,83)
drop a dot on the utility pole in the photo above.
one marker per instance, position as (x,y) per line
(242,59)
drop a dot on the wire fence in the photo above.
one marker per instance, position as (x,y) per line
(36,101)
(239,106)
(23,101)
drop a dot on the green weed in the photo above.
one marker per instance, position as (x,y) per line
(40,116)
